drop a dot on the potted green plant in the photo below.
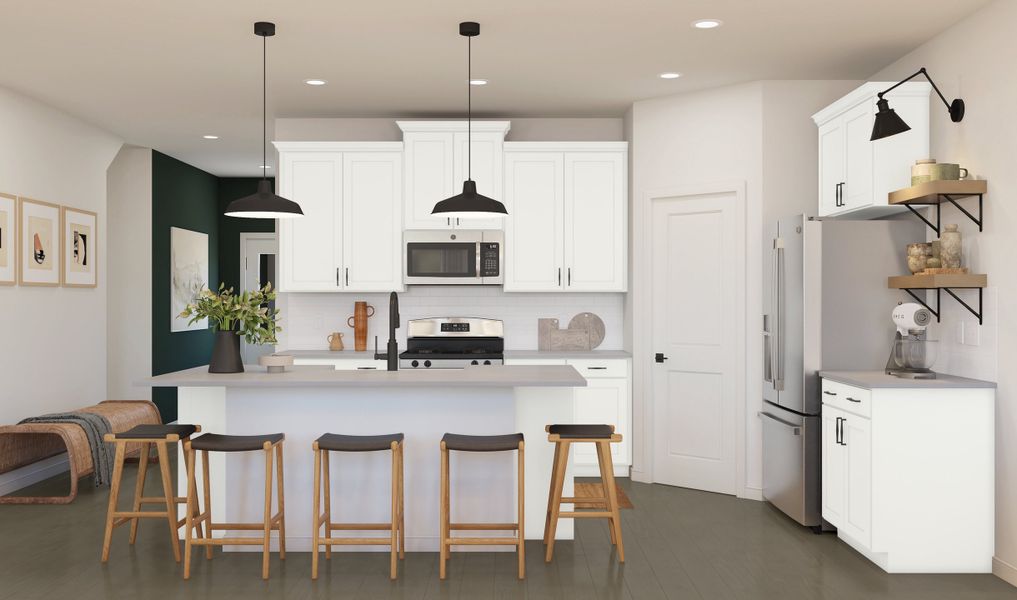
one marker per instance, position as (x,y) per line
(232,316)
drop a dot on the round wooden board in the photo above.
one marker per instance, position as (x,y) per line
(590,322)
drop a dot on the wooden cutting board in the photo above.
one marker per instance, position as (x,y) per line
(592,324)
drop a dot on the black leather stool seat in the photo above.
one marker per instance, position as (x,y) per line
(358,443)
(581,431)
(156,431)
(216,442)
(482,443)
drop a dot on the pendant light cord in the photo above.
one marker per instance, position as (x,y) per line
(264,107)
(469,107)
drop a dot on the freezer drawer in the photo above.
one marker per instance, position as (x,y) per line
(791,463)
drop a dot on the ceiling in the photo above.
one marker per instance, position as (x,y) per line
(164,73)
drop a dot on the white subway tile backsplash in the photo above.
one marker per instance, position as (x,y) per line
(308,318)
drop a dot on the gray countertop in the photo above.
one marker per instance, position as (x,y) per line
(501,376)
(509,354)
(871,380)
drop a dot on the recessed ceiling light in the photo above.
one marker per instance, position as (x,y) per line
(707,23)
(210,137)
(670,75)
(478,82)
(315,81)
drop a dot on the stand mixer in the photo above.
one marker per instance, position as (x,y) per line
(912,354)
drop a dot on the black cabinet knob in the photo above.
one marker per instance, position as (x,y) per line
(414,364)
(427,363)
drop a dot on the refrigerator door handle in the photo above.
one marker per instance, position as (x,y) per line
(780,328)
(767,350)
(795,429)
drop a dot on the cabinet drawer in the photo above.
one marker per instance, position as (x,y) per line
(848,398)
(597,369)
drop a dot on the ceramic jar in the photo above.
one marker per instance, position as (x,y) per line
(921,172)
(918,255)
(950,247)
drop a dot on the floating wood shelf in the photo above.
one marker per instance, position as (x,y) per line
(932,192)
(935,193)
(940,280)
(947,282)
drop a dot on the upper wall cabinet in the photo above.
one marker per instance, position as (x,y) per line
(350,237)
(855,174)
(438,157)
(568,216)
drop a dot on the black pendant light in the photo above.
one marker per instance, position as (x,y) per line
(469,203)
(888,122)
(264,204)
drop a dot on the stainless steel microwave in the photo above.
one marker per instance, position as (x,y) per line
(462,257)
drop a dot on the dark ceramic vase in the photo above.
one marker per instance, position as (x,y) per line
(226,353)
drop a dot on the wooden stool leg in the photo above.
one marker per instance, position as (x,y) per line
(192,499)
(402,499)
(521,500)
(550,491)
(139,489)
(280,500)
(445,513)
(267,530)
(169,493)
(559,483)
(326,483)
(605,492)
(611,493)
(206,492)
(394,525)
(316,521)
(114,494)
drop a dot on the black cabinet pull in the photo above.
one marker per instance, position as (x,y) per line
(570,276)
(366,368)
(559,276)
(850,399)
(337,276)
(837,429)
(347,276)
(597,368)
(828,393)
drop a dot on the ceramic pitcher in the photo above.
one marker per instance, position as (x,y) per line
(335,341)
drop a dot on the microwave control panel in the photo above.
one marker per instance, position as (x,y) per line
(490,259)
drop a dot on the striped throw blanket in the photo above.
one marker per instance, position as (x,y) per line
(95,427)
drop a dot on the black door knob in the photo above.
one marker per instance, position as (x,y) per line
(660,357)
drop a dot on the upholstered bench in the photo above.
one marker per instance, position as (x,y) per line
(22,445)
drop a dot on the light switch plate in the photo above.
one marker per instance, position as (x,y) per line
(971,334)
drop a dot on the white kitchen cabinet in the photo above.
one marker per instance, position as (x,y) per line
(606,399)
(856,174)
(350,237)
(567,224)
(908,472)
(437,157)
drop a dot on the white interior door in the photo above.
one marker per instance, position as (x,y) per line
(698,323)
(258,255)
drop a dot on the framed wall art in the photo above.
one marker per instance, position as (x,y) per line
(8,239)
(188,274)
(80,248)
(39,242)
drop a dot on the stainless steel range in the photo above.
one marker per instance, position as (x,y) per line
(453,343)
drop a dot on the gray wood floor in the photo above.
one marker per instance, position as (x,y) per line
(680,544)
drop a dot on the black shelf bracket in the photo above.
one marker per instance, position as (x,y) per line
(935,311)
(952,199)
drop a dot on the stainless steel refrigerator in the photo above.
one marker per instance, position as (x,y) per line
(826,306)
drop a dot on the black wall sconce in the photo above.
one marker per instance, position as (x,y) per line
(888,122)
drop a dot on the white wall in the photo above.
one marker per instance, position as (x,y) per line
(386,130)
(129,273)
(309,318)
(973,60)
(758,133)
(53,350)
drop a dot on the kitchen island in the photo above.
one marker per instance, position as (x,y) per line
(305,402)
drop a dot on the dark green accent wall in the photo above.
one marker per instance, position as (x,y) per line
(186,197)
(230,228)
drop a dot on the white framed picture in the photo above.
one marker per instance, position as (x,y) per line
(39,242)
(80,248)
(188,274)
(8,239)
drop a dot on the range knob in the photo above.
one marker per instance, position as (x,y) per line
(474,362)
(414,364)
(427,363)
(487,362)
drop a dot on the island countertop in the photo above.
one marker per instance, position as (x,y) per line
(493,376)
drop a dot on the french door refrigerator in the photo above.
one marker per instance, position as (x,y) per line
(826,306)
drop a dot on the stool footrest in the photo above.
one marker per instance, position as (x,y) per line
(140,514)
(244,526)
(359,526)
(484,526)
(574,500)
(586,515)
(153,500)
(498,541)
(356,541)
(234,541)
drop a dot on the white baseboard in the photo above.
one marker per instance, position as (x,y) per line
(641,476)
(752,493)
(1004,570)
(33,473)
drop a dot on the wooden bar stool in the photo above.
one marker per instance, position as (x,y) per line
(147,435)
(213,442)
(563,436)
(481,443)
(331,442)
